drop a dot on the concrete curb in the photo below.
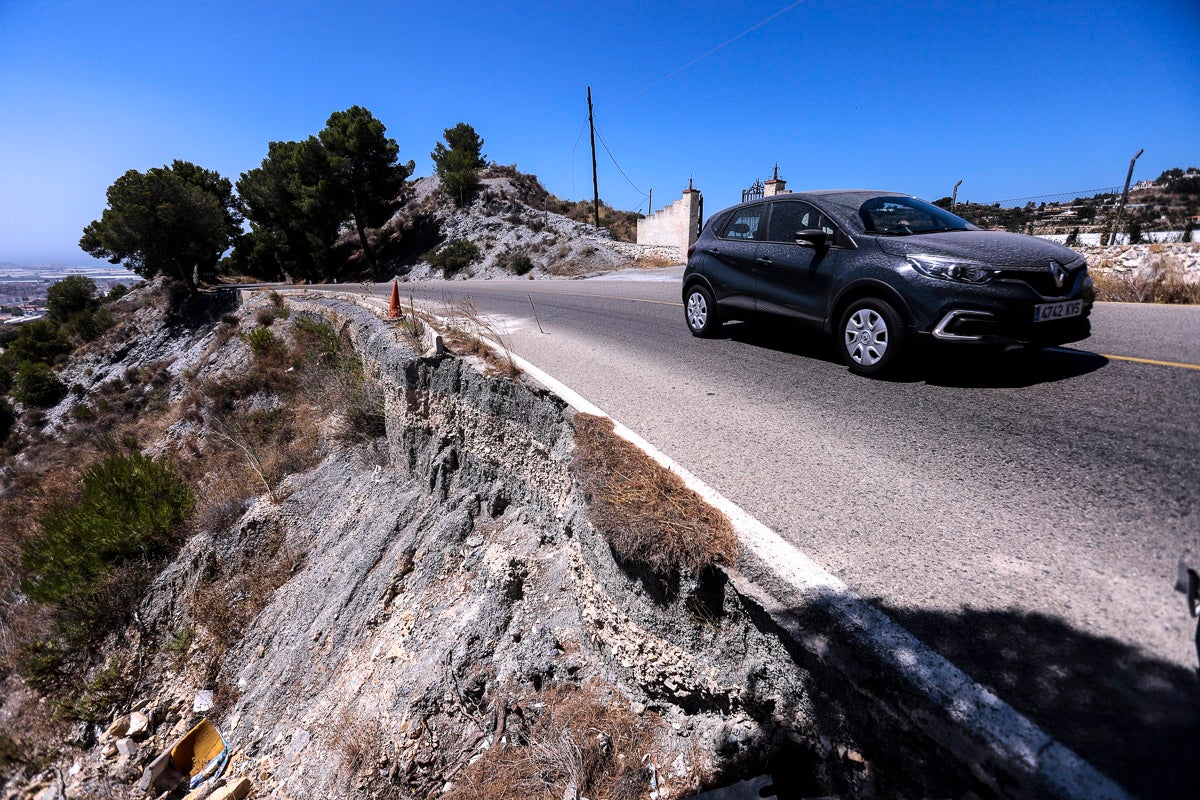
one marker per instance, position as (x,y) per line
(1001,747)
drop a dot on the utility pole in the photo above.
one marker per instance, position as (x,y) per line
(650,205)
(1124,196)
(954,196)
(595,185)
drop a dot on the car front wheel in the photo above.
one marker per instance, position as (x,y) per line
(700,312)
(871,337)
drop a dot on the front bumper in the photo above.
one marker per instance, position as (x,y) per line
(968,326)
(1003,314)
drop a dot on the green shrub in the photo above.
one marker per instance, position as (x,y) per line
(90,324)
(315,338)
(455,256)
(109,687)
(40,340)
(36,385)
(130,508)
(517,263)
(265,344)
(71,296)
(116,293)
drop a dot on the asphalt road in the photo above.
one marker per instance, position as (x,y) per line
(1023,517)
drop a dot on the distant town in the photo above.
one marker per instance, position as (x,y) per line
(23,287)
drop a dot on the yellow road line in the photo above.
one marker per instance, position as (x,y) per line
(1155,362)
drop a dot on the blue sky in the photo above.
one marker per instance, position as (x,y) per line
(1015,98)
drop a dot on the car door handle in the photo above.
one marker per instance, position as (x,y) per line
(766,262)
(712,251)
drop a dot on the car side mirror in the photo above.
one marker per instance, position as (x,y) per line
(813,237)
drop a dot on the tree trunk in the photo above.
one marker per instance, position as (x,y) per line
(362,238)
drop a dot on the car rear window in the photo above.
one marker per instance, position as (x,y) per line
(744,224)
(789,217)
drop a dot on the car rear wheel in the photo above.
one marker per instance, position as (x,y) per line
(871,337)
(700,312)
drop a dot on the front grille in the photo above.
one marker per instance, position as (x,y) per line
(1041,281)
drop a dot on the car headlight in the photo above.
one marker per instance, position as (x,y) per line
(952,269)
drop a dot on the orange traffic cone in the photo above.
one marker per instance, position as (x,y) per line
(394,303)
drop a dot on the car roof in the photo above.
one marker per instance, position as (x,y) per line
(842,204)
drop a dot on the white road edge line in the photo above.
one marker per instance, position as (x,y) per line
(1009,735)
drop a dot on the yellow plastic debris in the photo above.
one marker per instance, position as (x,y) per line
(193,752)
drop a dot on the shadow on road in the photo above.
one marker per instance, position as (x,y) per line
(992,370)
(1135,718)
(795,340)
(955,367)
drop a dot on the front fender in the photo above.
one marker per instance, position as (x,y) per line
(865,287)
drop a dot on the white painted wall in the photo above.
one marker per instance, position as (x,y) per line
(674,226)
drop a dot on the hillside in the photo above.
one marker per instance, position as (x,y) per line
(516,227)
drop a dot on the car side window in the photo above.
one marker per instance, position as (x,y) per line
(745,224)
(791,216)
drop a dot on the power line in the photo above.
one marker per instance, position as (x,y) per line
(618,166)
(708,53)
(1071,195)
(571,158)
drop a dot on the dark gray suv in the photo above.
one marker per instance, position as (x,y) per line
(880,271)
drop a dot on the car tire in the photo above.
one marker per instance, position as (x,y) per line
(871,337)
(700,311)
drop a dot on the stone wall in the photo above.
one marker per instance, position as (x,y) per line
(677,225)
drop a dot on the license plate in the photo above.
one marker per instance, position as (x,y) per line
(1049,311)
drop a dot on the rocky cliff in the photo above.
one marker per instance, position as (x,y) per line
(423,612)
(425,608)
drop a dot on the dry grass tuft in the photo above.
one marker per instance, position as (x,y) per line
(569,268)
(465,334)
(1165,281)
(359,742)
(644,511)
(654,261)
(571,736)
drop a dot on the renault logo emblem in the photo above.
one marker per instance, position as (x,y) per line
(1060,274)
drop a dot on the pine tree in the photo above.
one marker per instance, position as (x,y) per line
(458,163)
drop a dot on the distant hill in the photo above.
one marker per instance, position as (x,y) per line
(1171,202)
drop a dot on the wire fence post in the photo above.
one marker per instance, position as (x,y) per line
(1124,196)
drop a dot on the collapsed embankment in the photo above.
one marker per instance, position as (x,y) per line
(432,612)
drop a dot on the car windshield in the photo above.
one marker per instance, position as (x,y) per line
(908,216)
